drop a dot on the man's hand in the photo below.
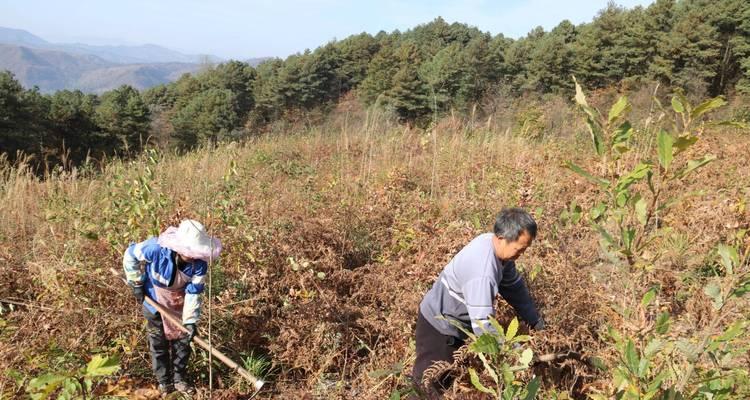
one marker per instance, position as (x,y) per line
(192,331)
(539,325)
(140,293)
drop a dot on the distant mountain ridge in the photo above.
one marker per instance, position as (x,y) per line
(147,53)
(95,69)
(52,70)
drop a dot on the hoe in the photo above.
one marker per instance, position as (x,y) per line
(171,317)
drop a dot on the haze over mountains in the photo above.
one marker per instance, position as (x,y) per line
(57,66)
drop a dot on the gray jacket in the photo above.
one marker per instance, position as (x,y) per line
(466,288)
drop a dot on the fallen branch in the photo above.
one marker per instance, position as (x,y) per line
(18,303)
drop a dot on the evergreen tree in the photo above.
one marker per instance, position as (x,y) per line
(13,114)
(380,75)
(690,56)
(124,117)
(612,48)
(356,53)
(237,77)
(517,57)
(72,125)
(552,60)
(207,118)
(267,93)
(409,96)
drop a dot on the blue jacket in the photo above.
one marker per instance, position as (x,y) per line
(160,270)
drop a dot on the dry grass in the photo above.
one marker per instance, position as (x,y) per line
(378,210)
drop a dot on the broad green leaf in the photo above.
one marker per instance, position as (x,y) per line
(521,338)
(45,380)
(631,357)
(620,378)
(526,357)
(596,212)
(597,363)
(615,334)
(510,392)
(618,108)
(677,105)
(648,297)
(507,374)
(639,172)
(628,235)
(650,181)
(621,148)
(641,210)
(622,133)
(497,326)
(489,368)
(742,289)
(643,367)
(43,386)
(580,97)
(102,366)
(683,142)
(532,388)
(580,171)
(665,142)
(707,106)
(70,388)
(713,291)
(684,101)
(604,234)
(622,198)
(729,257)
(597,137)
(512,329)
(695,164)
(572,214)
(478,385)
(485,344)
(395,395)
(662,323)
(729,124)
(656,382)
(733,331)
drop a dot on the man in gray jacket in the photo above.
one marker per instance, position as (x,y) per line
(466,288)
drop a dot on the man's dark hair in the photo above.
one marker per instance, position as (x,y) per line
(511,222)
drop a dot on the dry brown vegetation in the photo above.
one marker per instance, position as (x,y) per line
(332,235)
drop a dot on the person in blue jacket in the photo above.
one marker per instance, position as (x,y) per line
(173,274)
(464,293)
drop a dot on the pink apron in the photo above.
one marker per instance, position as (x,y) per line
(173,298)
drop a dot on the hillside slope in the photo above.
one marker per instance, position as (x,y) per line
(332,236)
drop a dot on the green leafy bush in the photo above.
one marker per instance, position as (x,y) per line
(73,384)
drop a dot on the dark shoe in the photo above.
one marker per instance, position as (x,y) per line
(185,387)
(166,388)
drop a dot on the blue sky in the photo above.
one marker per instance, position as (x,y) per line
(256,28)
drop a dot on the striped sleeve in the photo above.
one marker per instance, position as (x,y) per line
(134,255)
(479,295)
(191,311)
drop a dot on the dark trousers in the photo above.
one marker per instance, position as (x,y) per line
(433,346)
(168,369)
